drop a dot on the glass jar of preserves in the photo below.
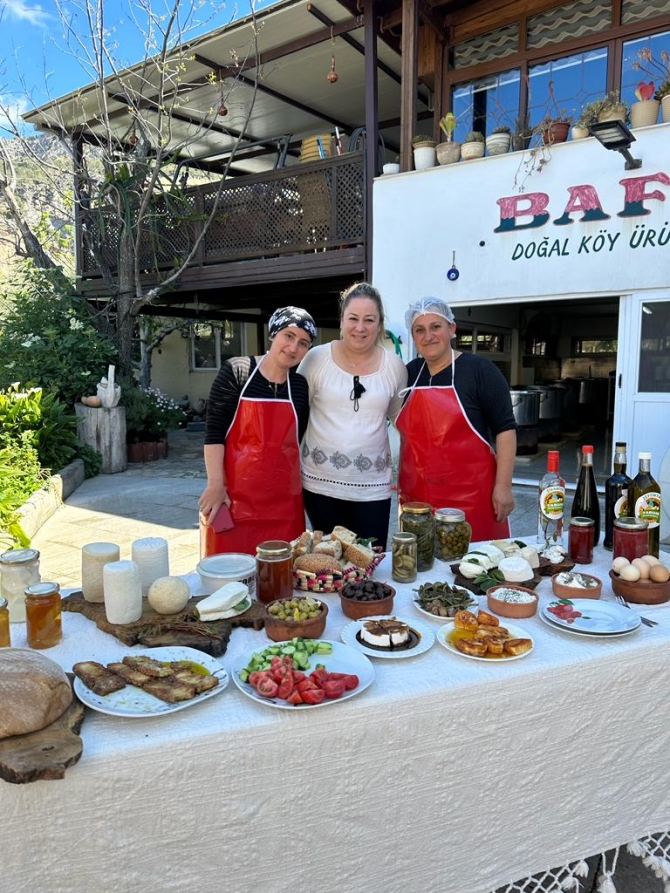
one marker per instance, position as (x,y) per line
(275,570)
(630,538)
(44,627)
(417,518)
(452,534)
(5,639)
(580,540)
(403,557)
(19,568)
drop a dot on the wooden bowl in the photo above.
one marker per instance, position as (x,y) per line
(515,610)
(640,592)
(561,590)
(355,608)
(283,630)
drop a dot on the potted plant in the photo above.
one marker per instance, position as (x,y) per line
(613,108)
(498,141)
(588,116)
(555,125)
(473,145)
(522,134)
(448,152)
(644,112)
(657,69)
(424,152)
(150,414)
(392,167)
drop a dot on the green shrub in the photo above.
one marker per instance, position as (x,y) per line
(149,414)
(42,421)
(91,458)
(47,337)
(20,477)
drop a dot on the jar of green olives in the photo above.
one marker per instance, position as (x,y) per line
(403,557)
(452,534)
(417,518)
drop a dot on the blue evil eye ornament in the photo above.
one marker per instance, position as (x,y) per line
(453,274)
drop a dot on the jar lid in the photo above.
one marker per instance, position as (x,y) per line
(417,508)
(19,556)
(3,603)
(452,515)
(43,588)
(630,523)
(402,537)
(228,564)
(582,522)
(273,549)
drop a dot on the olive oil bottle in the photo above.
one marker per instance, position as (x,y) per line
(644,501)
(616,494)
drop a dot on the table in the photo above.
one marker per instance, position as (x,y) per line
(446,774)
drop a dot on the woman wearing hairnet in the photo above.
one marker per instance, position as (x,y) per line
(456,405)
(256,415)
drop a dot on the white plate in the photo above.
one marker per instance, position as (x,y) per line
(598,617)
(473,607)
(516,632)
(341,660)
(563,628)
(134,702)
(423,631)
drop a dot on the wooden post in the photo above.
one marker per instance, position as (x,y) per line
(105,431)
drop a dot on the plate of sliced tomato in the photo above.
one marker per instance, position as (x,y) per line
(329,679)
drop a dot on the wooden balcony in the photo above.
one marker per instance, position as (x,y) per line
(297,222)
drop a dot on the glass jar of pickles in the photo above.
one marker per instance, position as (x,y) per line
(5,639)
(452,534)
(43,615)
(19,568)
(403,557)
(417,518)
(275,570)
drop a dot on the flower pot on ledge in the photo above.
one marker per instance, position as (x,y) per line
(147,450)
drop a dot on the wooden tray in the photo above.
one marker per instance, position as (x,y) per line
(154,630)
(547,569)
(471,586)
(44,755)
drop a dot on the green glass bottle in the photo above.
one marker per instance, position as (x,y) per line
(644,501)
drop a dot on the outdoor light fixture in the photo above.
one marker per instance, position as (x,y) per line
(615,135)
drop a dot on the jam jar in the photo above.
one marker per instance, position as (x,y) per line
(275,570)
(403,557)
(5,640)
(44,627)
(452,534)
(580,540)
(18,568)
(630,538)
(417,518)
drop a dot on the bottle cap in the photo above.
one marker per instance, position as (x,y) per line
(552,460)
(620,444)
(644,456)
(587,449)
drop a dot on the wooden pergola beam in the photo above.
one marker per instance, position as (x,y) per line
(410,58)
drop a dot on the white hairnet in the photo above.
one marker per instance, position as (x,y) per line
(428,305)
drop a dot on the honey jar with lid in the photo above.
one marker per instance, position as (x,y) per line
(5,639)
(44,627)
(275,570)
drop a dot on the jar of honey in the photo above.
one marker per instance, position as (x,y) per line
(630,538)
(44,627)
(274,560)
(580,540)
(5,640)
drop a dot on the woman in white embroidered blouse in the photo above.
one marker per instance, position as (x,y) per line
(353,388)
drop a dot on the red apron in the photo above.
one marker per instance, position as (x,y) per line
(262,472)
(444,461)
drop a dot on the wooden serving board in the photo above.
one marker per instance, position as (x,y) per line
(547,569)
(154,630)
(44,755)
(471,586)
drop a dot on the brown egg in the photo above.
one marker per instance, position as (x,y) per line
(659,574)
(642,566)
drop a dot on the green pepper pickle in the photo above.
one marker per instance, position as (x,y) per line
(417,518)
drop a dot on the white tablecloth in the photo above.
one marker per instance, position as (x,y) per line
(447,774)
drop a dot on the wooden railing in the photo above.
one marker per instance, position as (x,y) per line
(288,211)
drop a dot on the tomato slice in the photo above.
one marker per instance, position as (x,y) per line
(313,696)
(298,676)
(255,676)
(334,688)
(286,686)
(295,698)
(351,681)
(267,688)
(318,676)
(307,685)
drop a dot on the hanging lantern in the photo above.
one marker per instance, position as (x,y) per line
(133,138)
(332,75)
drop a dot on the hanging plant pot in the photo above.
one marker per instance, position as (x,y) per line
(644,113)
(448,153)
(555,132)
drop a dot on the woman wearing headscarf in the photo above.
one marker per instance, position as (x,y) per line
(256,415)
(353,387)
(456,405)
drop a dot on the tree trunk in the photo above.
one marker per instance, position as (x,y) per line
(146,351)
(125,320)
(31,243)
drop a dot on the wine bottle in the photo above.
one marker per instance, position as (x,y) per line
(616,493)
(551,504)
(644,501)
(585,504)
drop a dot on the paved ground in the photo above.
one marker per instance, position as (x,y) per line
(160,499)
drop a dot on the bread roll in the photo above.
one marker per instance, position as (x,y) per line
(359,555)
(316,562)
(329,547)
(34,691)
(344,535)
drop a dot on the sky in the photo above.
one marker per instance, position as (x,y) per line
(45,49)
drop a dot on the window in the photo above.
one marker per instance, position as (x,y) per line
(631,76)
(563,86)
(485,103)
(212,344)
(483,342)
(654,371)
(585,347)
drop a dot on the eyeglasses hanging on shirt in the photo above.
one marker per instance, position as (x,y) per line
(356,392)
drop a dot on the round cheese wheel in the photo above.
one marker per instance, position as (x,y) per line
(168,595)
(34,691)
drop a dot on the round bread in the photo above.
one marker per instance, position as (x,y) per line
(315,562)
(169,595)
(34,691)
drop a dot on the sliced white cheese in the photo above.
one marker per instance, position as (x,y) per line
(507,547)
(531,555)
(222,600)
(473,565)
(515,569)
(495,554)
(239,608)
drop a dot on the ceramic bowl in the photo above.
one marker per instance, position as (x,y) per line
(641,592)
(283,630)
(511,609)
(356,608)
(562,590)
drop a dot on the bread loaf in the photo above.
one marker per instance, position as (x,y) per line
(34,691)
(357,554)
(316,562)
